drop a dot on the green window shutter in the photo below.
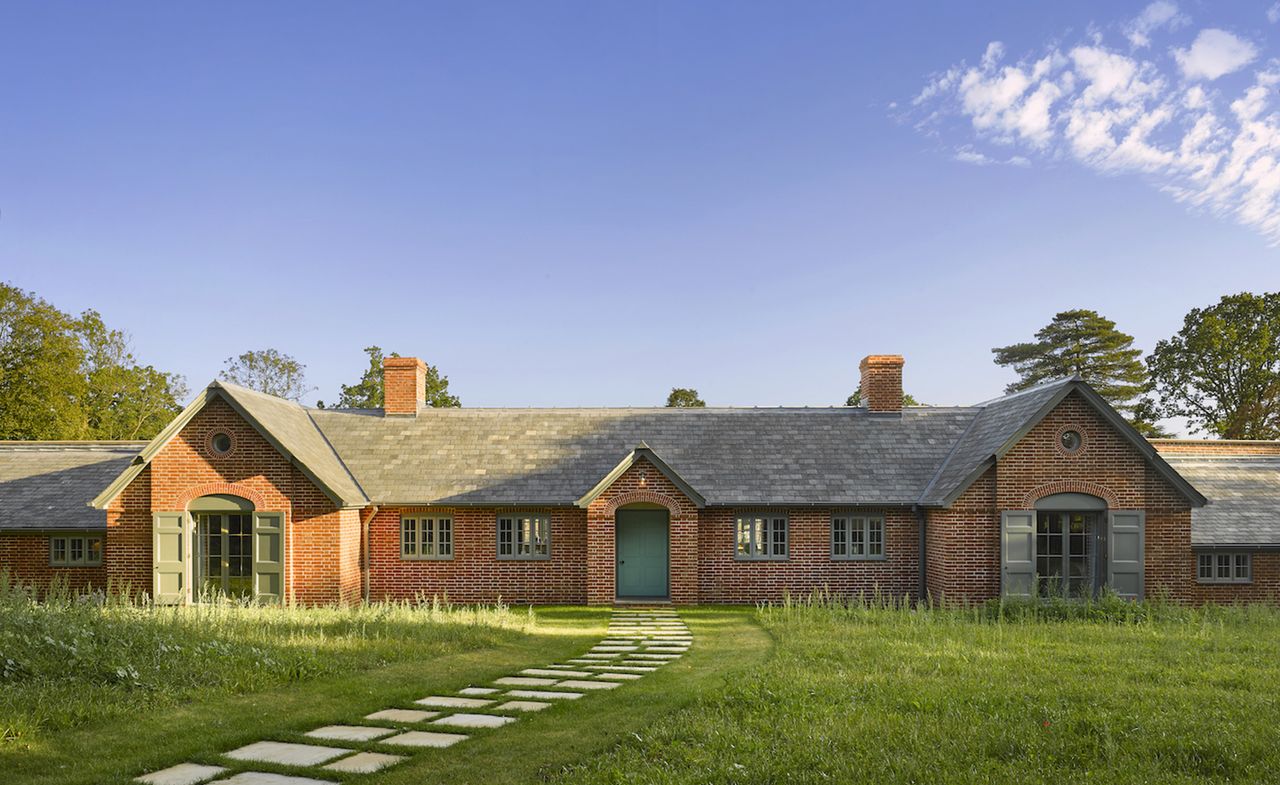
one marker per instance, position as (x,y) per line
(1018,553)
(169,558)
(268,557)
(1126,531)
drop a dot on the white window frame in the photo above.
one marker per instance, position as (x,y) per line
(857,536)
(77,550)
(529,538)
(756,536)
(426,537)
(1224,567)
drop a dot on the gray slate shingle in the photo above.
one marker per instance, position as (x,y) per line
(1244,498)
(48,485)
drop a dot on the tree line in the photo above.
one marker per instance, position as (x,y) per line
(66,376)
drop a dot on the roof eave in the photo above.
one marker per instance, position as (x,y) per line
(642,451)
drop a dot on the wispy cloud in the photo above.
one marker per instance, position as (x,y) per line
(1273,13)
(1166,112)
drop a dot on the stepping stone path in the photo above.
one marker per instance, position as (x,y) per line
(638,642)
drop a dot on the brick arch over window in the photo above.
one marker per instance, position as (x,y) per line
(230,489)
(1070,486)
(635,497)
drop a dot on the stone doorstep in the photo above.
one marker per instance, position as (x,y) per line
(543,694)
(364,763)
(265,778)
(348,733)
(402,715)
(588,685)
(450,702)
(423,738)
(465,720)
(286,753)
(524,681)
(182,774)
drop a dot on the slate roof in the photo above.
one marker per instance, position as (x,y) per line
(1244,493)
(48,485)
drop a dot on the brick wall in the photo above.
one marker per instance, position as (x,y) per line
(882,382)
(809,566)
(26,558)
(475,574)
(962,545)
(321,542)
(1216,447)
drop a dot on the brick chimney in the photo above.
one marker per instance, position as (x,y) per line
(882,382)
(404,386)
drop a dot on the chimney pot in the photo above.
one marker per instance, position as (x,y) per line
(882,382)
(404,386)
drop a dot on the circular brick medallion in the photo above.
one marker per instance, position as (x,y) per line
(220,444)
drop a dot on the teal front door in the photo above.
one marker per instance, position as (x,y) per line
(642,553)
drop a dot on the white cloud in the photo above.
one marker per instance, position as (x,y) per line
(1117,113)
(1215,53)
(1273,13)
(1160,14)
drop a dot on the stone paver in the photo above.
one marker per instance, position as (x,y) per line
(550,672)
(182,774)
(365,763)
(423,738)
(402,715)
(266,778)
(286,754)
(599,656)
(588,685)
(648,656)
(524,681)
(621,676)
(522,706)
(614,648)
(349,733)
(465,720)
(450,702)
(478,690)
(543,694)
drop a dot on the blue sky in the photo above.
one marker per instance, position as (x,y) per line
(589,203)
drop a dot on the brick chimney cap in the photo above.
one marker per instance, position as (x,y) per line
(882,360)
(402,362)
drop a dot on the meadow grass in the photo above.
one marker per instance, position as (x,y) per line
(884,692)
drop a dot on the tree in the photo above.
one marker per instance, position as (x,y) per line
(268,371)
(685,398)
(1222,369)
(856,399)
(1084,343)
(41,387)
(123,400)
(367,393)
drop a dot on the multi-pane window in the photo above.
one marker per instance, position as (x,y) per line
(1224,568)
(1064,553)
(857,536)
(762,536)
(426,537)
(75,551)
(524,536)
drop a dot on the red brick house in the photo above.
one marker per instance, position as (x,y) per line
(1047,490)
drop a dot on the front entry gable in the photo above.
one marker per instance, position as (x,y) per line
(642,454)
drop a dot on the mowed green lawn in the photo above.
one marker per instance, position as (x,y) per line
(818,692)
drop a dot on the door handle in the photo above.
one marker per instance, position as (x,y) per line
(622,561)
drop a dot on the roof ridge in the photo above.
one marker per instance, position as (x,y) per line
(1039,386)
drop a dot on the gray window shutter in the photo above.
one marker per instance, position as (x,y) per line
(1017,553)
(268,557)
(169,558)
(1126,532)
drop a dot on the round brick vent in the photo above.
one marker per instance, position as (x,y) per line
(221,444)
(1070,441)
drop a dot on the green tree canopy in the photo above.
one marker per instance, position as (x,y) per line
(856,399)
(1084,343)
(1222,369)
(66,377)
(367,393)
(268,371)
(684,398)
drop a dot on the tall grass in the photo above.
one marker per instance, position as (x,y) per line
(70,658)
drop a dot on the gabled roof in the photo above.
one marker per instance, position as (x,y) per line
(1245,499)
(46,486)
(286,425)
(642,452)
(1002,422)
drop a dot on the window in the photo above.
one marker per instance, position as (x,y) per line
(426,537)
(522,536)
(762,536)
(1070,440)
(1224,568)
(1065,557)
(857,536)
(220,443)
(75,551)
